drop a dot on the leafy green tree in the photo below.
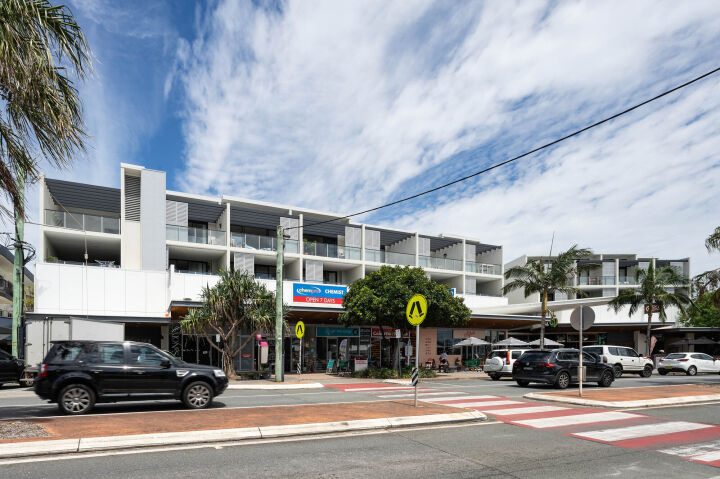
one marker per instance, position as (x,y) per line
(709,281)
(380,299)
(538,277)
(702,313)
(653,294)
(236,304)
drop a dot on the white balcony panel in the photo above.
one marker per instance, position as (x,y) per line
(83,290)
(188,287)
(478,302)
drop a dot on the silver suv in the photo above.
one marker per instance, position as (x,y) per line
(500,362)
(623,359)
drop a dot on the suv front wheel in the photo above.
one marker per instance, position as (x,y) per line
(197,395)
(76,399)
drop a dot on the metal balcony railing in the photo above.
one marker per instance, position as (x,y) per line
(82,222)
(195,235)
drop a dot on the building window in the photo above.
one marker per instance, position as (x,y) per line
(444,341)
(187,266)
(330,277)
(264,271)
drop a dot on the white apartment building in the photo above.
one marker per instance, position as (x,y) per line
(141,255)
(604,276)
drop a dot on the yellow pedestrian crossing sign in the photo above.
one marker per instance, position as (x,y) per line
(416,310)
(300,329)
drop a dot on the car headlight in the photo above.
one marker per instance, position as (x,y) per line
(219,373)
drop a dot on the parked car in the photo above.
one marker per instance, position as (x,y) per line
(559,367)
(688,363)
(623,359)
(12,369)
(77,374)
(499,363)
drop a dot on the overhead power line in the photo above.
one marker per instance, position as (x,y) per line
(527,153)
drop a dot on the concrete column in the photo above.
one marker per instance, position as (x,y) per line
(417,249)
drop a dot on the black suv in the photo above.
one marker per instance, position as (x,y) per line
(11,369)
(77,374)
(559,367)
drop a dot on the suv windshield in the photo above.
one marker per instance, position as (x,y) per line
(535,356)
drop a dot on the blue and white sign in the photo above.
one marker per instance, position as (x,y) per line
(318,293)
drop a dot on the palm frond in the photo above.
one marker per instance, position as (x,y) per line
(712,242)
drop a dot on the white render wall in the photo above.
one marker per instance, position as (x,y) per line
(96,291)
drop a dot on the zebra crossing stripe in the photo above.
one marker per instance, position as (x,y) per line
(560,421)
(526,410)
(420,394)
(645,430)
(483,404)
(441,400)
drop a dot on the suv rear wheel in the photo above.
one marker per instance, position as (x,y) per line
(494,376)
(606,379)
(76,399)
(647,371)
(197,395)
(522,383)
(563,380)
(618,370)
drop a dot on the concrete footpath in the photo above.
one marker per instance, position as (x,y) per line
(71,434)
(682,394)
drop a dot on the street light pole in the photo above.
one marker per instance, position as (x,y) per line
(19,264)
(279,308)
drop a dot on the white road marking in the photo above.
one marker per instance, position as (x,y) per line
(710,451)
(389,388)
(576,419)
(645,430)
(454,398)
(526,410)
(420,394)
(482,404)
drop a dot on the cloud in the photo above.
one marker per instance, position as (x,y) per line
(343,106)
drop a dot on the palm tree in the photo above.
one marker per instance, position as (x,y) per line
(537,277)
(42,50)
(653,294)
(712,242)
(235,306)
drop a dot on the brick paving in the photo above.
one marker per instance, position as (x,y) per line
(225,418)
(641,393)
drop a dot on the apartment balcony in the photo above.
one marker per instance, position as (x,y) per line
(596,281)
(626,280)
(402,259)
(195,235)
(82,222)
(482,268)
(374,255)
(440,263)
(261,243)
(331,250)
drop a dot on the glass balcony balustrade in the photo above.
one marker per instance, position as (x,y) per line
(402,259)
(195,235)
(375,255)
(326,250)
(596,281)
(440,263)
(483,268)
(82,222)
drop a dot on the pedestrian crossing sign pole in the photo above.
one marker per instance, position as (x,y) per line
(416,311)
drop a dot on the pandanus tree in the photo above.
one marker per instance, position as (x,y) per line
(236,306)
(654,295)
(546,278)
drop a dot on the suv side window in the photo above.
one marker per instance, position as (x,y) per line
(708,357)
(63,353)
(568,356)
(145,355)
(614,351)
(628,353)
(698,356)
(105,354)
(588,358)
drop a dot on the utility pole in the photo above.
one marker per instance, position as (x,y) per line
(279,308)
(18,263)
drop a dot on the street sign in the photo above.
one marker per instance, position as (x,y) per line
(416,310)
(414,378)
(300,329)
(588,318)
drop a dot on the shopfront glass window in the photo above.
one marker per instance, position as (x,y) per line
(444,341)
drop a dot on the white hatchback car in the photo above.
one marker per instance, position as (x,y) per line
(623,359)
(688,363)
(500,362)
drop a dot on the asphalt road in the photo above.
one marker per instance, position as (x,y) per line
(16,402)
(494,450)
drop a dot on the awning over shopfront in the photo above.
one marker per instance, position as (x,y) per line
(110,319)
